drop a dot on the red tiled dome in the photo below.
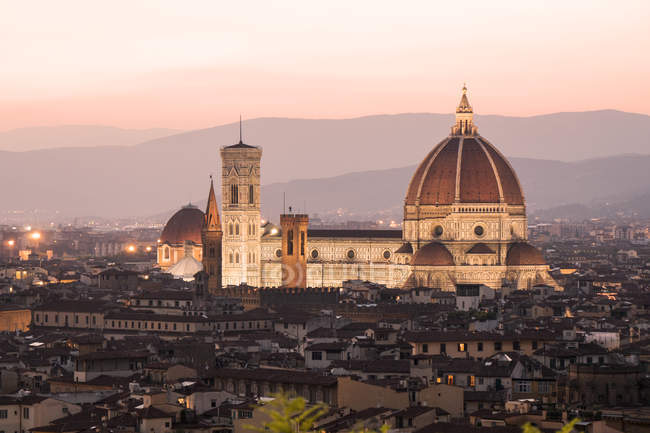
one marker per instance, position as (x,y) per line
(433,254)
(468,167)
(522,254)
(184,225)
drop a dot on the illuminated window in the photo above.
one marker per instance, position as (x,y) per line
(438,379)
(166,253)
(461,347)
(450,379)
(472,381)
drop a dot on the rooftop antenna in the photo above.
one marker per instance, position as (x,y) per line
(240,135)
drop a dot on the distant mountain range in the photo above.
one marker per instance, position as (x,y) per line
(599,187)
(348,164)
(51,137)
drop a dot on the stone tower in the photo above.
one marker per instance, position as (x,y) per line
(211,237)
(240,208)
(294,249)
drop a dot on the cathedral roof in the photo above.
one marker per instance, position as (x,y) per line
(184,225)
(433,254)
(464,168)
(523,253)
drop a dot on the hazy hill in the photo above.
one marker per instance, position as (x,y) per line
(546,184)
(165,173)
(49,137)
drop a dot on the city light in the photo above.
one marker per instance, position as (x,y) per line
(11,242)
(148,249)
(35,235)
(131,248)
(28,228)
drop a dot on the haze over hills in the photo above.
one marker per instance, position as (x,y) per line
(162,174)
(50,137)
(593,184)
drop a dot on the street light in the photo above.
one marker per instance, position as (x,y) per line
(36,235)
(131,248)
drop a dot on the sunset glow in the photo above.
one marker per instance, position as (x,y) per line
(175,66)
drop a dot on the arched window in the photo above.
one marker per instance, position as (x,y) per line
(166,253)
(236,229)
(230,229)
(251,194)
(230,258)
(236,257)
(234,194)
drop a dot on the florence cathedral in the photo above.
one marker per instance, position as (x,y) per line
(464,223)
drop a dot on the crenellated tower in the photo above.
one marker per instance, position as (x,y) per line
(240,208)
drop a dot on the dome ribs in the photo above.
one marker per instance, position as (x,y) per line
(509,183)
(478,183)
(439,182)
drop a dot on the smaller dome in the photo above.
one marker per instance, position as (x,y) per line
(433,254)
(522,253)
(480,248)
(186,268)
(184,225)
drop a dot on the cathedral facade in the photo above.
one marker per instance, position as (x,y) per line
(464,223)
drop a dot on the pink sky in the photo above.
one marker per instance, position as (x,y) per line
(142,64)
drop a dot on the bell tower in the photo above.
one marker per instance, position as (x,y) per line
(211,237)
(240,208)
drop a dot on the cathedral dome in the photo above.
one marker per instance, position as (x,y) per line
(464,168)
(184,225)
(522,254)
(433,254)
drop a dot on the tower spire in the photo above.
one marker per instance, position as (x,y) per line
(212,222)
(464,117)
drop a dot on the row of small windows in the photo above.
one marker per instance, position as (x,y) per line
(46,319)
(464,347)
(479,209)
(234,194)
(175,327)
(315,254)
